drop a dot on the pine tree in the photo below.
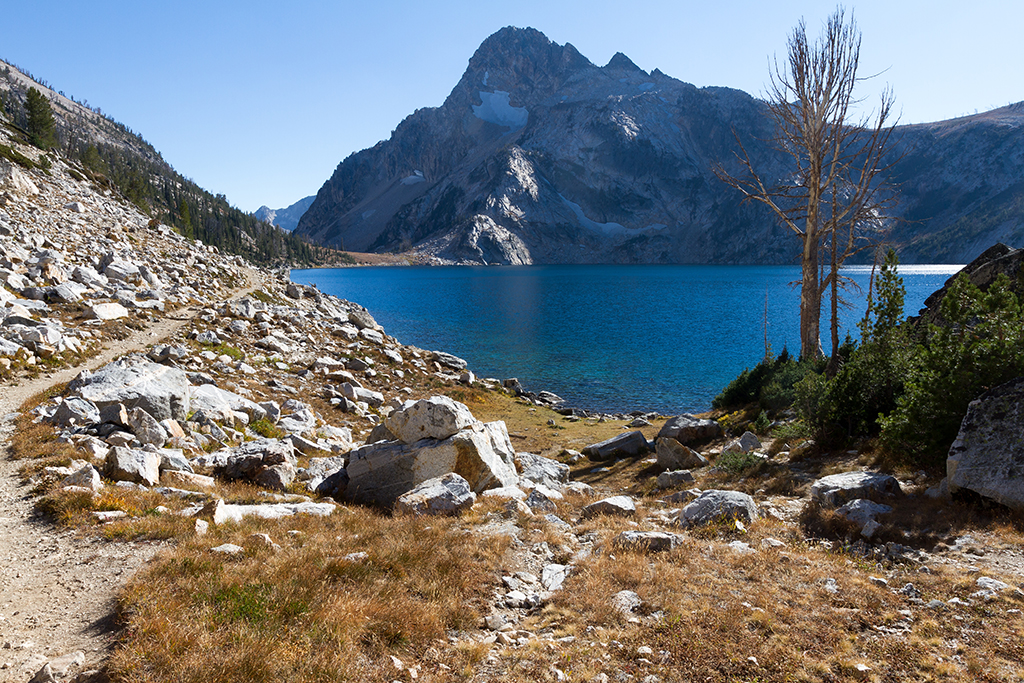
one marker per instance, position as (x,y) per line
(42,130)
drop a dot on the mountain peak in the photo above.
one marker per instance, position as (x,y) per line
(622,62)
(516,55)
(513,40)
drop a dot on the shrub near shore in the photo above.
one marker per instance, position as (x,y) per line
(905,384)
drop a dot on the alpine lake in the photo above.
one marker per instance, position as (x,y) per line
(608,338)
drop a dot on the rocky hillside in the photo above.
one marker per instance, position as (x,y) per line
(287,218)
(540,156)
(120,161)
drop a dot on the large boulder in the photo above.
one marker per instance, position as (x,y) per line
(618,506)
(687,429)
(673,455)
(863,512)
(647,541)
(268,462)
(837,489)
(622,445)
(354,393)
(220,512)
(747,443)
(110,310)
(223,404)
(334,484)
(381,472)
(437,417)
(715,505)
(135,381)
(146,429)
(134,465)
(541,470)
(448,360)
(75,411)
(85,477)
(988,454)
(445,495)
(319,469)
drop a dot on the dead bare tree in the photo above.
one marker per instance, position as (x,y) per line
(833,196)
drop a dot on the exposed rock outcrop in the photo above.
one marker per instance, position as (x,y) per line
(988,454)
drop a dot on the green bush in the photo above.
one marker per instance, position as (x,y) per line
(266,429)
(871,376)
(738,462)
(771,384)
(762,423)
(979,346)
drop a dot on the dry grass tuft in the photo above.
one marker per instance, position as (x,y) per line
(310,611)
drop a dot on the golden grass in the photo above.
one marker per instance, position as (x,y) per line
(707,610)
(308,612)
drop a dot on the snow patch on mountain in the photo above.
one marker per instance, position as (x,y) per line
(610,229)
(416,177)
(497,109)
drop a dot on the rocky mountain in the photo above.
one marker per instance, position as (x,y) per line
(119,161)
(540,156)
(286,219)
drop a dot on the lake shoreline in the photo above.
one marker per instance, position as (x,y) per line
(607,339)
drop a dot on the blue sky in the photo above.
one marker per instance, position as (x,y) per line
(261,100)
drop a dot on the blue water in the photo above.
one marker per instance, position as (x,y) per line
(607,338)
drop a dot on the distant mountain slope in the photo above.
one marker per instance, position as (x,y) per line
(119,160)
(962,186)
(286,219)
(540,156)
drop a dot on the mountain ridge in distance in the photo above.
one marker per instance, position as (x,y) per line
(539,156)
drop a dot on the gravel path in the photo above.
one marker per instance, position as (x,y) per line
(58,587)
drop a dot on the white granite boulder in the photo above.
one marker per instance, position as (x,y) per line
(836,489)
(448,494)
(437,417)
(717,505)
(86,477)
(106,311)
(747,443)
(988,454)
(75,410)
(863,512)
(647,541)
(219,402)
(687,429)
(673,455)
(381,472)
(622,445)
(134,465)
(541,470)
(135,381)
(268,462)
(619,506)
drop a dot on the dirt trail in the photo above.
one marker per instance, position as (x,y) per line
(58,587)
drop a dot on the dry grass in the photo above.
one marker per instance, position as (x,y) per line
(708,610)
(528,425)
(307,612)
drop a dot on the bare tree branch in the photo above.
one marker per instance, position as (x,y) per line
(834,196)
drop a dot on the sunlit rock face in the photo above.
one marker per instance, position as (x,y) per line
(540,156)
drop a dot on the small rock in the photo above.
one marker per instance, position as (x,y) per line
(626,601)
(616,505)
(228,549)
